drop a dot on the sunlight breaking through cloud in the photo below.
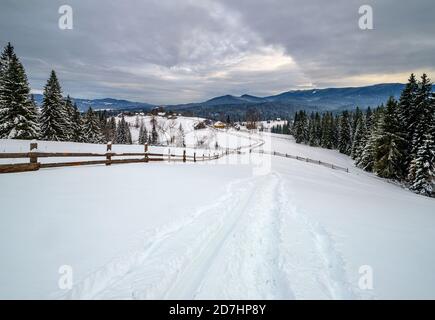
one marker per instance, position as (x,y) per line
(170,51)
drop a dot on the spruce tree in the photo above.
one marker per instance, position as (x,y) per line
(408,115)
(154,134)
(301,127)
(104,124)
(368,120)
(287,127)
(69,119)
(389,144)
(129,137)
(123,135)
(18,112)
(422,169)
(324,126)
(110,133)
(336,131)
(424,166)
(367,157)
(6,56)
(422,123)
(358,138)
(120,136)
(77,125)
(356,117)
(34,116)
(312,130)
(6,119)
(52,119)
(143,134)
(327,131)
(91,129)
(344,142)
(295,124)
(317,129)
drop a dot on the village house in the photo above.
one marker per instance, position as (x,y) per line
(219,125)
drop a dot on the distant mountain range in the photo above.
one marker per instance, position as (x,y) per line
(287,103)
(326,99)
(104,104)
(280,105)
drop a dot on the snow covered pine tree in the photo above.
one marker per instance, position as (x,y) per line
(389,144)
(143,133)
(123,135)
(421,121)
(422,171)
(18,113)
(53,114)
(345,136)
(91,129)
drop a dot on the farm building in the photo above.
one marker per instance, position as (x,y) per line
(219,125)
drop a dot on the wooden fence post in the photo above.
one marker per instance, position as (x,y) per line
(184,155)
(108,153)
(33,157)
(146,152)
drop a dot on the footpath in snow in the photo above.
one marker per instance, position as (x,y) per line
(220,229)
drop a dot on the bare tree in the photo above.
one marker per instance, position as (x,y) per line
(252,118)
(136,122)
(154,134)
(172,125)
(181,137)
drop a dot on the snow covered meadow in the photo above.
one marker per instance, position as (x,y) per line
(221,229)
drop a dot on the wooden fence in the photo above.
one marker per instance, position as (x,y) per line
(286,155)
(107,160)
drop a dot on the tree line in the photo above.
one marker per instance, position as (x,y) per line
(59,118)
(395,141)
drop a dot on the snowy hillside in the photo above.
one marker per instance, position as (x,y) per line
(247,226)
(204,139)
(200,141)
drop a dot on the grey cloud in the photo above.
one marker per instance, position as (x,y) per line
(173,51)
(323,36)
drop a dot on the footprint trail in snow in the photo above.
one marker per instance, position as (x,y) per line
(252,243)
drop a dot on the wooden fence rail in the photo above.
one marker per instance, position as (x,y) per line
(286,155)
(108,156)
(146,156)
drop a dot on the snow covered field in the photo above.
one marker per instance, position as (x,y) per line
(231,139)
(220,229)
(208,137)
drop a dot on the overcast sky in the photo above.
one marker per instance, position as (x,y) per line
(176,51)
